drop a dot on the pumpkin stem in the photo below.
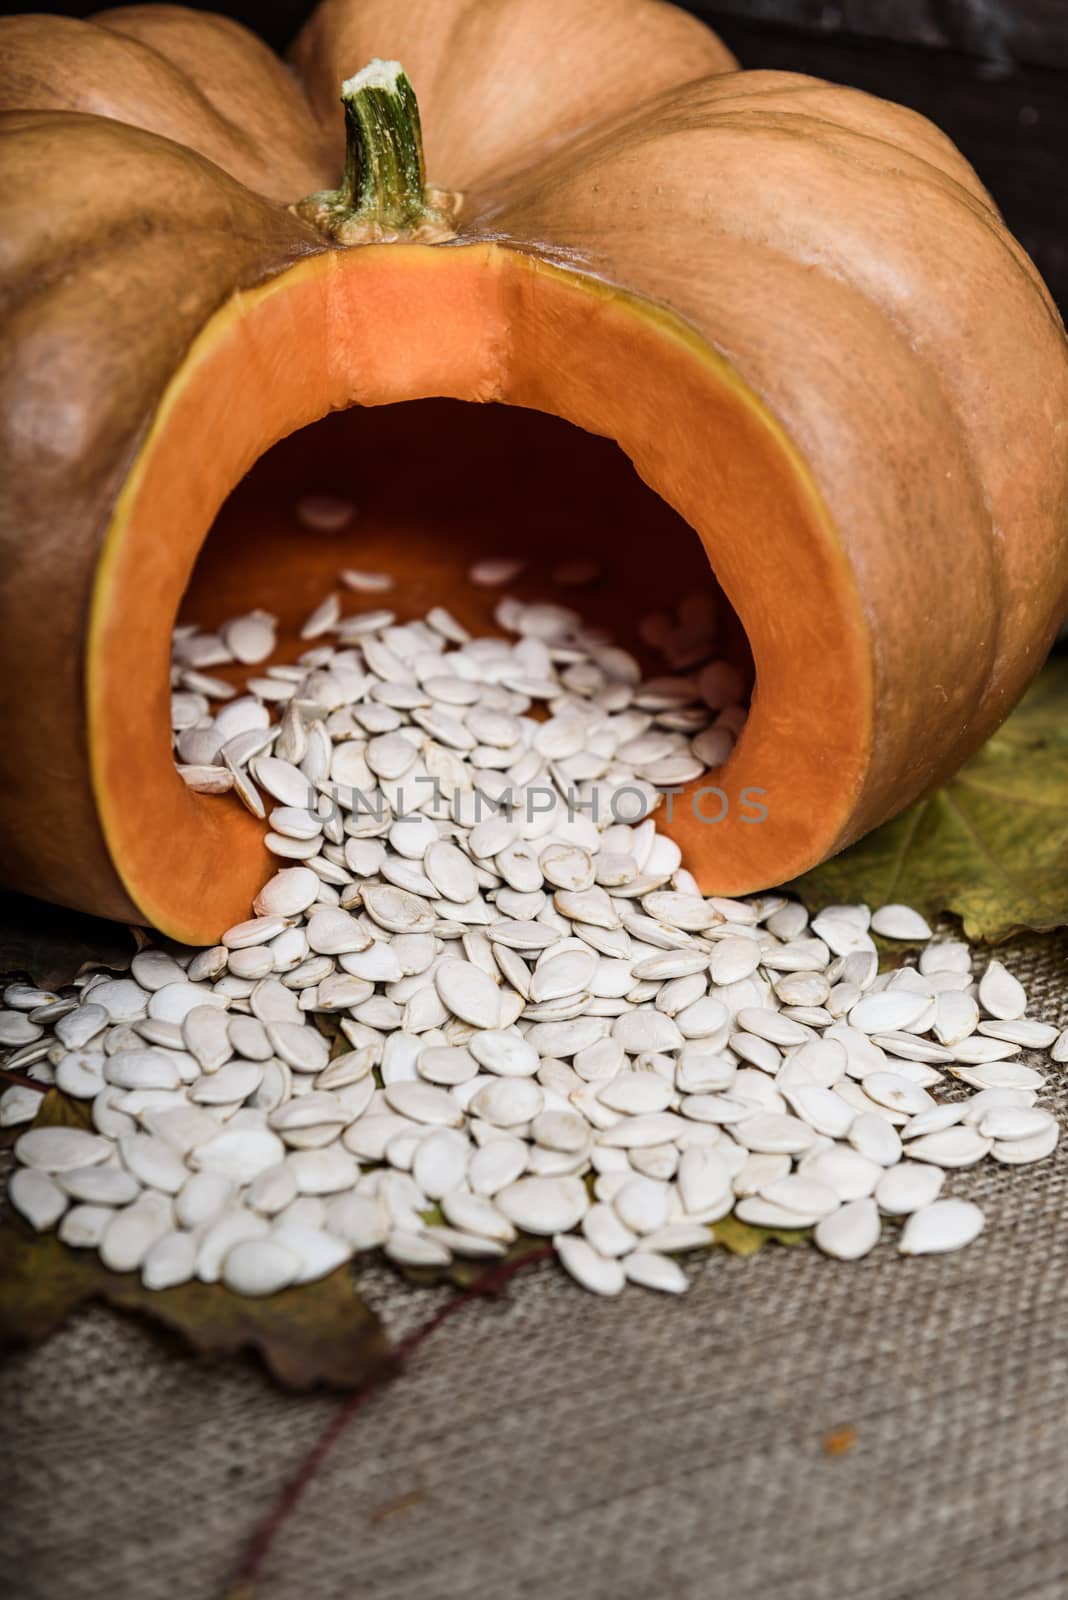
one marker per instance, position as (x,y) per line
(384,195)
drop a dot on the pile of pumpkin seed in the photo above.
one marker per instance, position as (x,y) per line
(482,996)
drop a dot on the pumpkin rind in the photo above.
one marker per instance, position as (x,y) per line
(835,252)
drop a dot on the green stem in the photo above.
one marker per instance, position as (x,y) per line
(384,194)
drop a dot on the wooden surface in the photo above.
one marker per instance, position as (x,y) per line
(992,73)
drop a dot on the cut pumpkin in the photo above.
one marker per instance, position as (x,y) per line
(792,307)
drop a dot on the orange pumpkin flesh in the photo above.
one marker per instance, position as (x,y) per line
(792,306)
(398,323)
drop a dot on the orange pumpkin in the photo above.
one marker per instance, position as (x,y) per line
(793,308)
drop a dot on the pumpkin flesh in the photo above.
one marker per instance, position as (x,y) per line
(388,324)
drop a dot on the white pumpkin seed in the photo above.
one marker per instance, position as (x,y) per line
(37,1197)
(84,1227)
(1019,1152)
(216,1241)
(958,1146)
(100,1185)
(153,1162)
(57,1149)
(598,1273)
(652,1270)
(169,1260)
(326,1171)
(1007,1122)
(133,1231)
(544,1205)
(77,1028)
(359,1220)
(424,1102)
(899,922)
(469,993)
(1000,994)
(496,1165)
(416,1249)
(239,1153)
(850,1232)
(1000,1075)
(942,1226)
(897,1092)
(888,1011)
(908,1187)
(440,1163)
(873,1136)
(300,1047)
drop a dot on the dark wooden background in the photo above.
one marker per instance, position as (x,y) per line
(992,73)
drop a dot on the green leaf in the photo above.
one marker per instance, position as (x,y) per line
(315,1333)
(991,845)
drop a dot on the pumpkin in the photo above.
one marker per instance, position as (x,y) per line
(791,307)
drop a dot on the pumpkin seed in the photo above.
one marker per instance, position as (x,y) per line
(655,1271)
(773,1133)
(1035,1147)
(440,1163)
(899,922)
(416,1249)
(57,1149)
(851,1232)
(872,1136)
(959,1146)
(1000,994)
(424,1102)
(1014,1122)
(908,1187)
(238,1153)
(887,1012)
(37,1197)
(100,1185)
(547,997)
(1000,1075)
(495,572)
(893,1090)
(132,1231)
(84,1227)
(544,1205)
(469,993)
(944,1225)
(1022,1031)
(169,1260)
(599,1273)
(19,1104)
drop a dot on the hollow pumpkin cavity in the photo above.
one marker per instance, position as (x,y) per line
(353,374)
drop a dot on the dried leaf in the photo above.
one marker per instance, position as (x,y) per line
(58,1110)
(744,1239)
(316,1333)
(991,845)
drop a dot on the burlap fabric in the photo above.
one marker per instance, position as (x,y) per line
(559,1446)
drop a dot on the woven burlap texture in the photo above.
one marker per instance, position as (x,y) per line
(554,1445)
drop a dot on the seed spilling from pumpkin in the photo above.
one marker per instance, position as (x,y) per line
(482,995)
